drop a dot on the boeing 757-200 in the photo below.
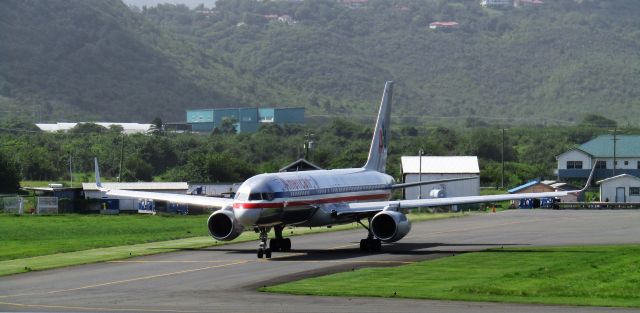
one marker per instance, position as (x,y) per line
(321,198)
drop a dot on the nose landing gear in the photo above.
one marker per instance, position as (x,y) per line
(263,250)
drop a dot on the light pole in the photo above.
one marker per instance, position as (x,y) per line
(308,145)
(420,152)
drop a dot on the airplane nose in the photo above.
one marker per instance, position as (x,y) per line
(247,217)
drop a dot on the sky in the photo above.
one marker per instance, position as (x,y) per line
(190,3)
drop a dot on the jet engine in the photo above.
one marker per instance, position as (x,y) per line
(223,225)
(390,226)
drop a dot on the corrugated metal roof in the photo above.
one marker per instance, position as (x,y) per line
(128,128)
(527,185)
(139,186)
(602,146)
(441,164)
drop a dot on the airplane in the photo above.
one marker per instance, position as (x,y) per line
(323,198)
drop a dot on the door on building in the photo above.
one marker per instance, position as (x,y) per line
(620,196)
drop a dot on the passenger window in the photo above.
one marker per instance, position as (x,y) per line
(255,196)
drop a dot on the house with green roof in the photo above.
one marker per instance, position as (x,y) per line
(578,162)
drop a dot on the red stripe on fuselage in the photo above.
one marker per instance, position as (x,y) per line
(270,205)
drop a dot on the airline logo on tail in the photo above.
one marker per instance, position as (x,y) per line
(382,144)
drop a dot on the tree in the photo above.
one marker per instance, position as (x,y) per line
(86,128)
(156,126)
(595,120)
(9,178)
(228,125)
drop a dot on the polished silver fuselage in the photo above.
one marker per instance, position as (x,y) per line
(307,198)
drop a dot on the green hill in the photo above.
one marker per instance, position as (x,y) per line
(546,64)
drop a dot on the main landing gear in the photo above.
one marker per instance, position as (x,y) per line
(275,244)
(370,244)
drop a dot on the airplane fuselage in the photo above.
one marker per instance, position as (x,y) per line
(308,198)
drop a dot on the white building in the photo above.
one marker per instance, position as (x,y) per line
(441,167)
(127,204)
(496,3)
(614,157)
(620,189)
(127,128)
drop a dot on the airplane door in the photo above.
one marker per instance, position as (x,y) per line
(620,196)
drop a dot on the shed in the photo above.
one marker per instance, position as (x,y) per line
(623,188)
(441,167)
(127,204)
(537,185)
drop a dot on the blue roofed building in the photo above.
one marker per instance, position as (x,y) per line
(538,185)
(246,120)
(613,157)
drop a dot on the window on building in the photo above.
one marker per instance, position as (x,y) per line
(639,165)
(626,162)
(634,191)
(574,164)
(603,164)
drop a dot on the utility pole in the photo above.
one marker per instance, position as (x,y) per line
(615,139)
(121,157)
(420,152)
(70,172)
(502,160)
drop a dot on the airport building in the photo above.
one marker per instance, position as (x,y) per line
(622,188)
(127,128)
(614,155)
(538,185)
(425,168)
(122,204)
(245,120)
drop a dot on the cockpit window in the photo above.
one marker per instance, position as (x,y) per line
(242,196)
(262,196)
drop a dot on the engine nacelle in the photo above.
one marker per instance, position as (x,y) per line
(390,226)
(223,225)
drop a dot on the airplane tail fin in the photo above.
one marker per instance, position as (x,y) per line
(377,159)
(97,172)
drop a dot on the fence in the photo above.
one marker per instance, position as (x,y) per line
(47,205)
(13,205)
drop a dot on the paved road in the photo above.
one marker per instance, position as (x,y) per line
(223,279)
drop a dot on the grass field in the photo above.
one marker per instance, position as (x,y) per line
(39,242)
(32,235)
(582,275)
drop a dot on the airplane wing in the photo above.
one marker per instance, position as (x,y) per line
(366,208)
(171,197)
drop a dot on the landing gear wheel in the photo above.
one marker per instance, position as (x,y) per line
(286,244)
(267,253)
(370,245)
(275,245)
(261,253)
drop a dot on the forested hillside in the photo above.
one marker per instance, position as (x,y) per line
(547,64)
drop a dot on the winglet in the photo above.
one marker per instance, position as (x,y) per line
(586,186)
(97,170)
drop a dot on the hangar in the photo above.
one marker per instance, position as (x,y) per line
(425,168)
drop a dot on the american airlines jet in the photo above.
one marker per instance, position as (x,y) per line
(321,198)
